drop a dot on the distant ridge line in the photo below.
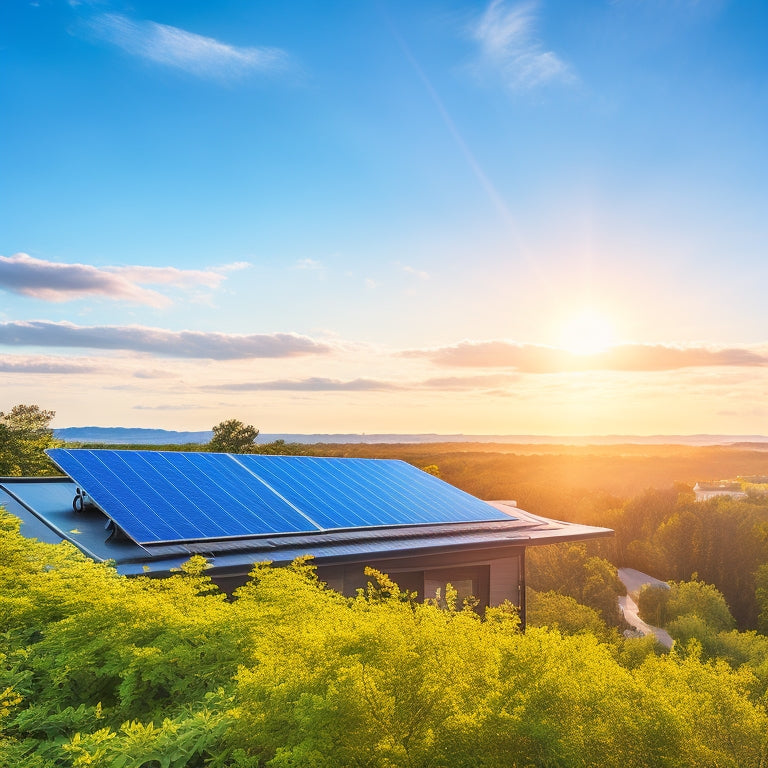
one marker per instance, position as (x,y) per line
(137,435)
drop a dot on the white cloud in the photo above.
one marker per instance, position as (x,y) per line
(55,281)
(508,47)
(178,48)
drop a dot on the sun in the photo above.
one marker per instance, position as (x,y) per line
(587,332)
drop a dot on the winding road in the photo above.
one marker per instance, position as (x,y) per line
(633,581)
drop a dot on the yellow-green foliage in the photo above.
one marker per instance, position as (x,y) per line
(97,670)
(564,613)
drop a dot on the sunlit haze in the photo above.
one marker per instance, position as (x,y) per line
(588,332)
(480,217)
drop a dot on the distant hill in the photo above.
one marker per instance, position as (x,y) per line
(136,436)
(129,436)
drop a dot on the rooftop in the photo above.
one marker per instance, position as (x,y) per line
(149,510)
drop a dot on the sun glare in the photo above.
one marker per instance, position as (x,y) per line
(587,332)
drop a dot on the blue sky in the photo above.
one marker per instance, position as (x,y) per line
(504,217)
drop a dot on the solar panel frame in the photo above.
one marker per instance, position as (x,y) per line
(166,497)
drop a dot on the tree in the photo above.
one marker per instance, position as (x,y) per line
(761,595)
(568,569)
(24,435)
(232,436)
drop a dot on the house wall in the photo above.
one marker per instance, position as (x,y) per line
(491,576)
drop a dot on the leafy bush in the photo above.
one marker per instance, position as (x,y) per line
(100,670)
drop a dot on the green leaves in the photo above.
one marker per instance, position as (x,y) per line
(233,436)
(99,670)
(24,435)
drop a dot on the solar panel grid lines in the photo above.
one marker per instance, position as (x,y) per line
(389,494)
(158,496)
(213,496)
(156,482)
(154,487)
(313,489)
(104,488)
(281,515)
(267,485)
(166,477)
(349,493)
(408,480)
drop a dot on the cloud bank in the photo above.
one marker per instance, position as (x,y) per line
(45,365)
(532,358)
(508,47)
(173,47)
(56,282)
(160,342)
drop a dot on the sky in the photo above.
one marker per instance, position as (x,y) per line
(537,217)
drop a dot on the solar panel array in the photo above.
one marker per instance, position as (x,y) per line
(164,496)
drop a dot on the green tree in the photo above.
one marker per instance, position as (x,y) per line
(232,436)
(761,595)
(684,607)
(652,604)
(569,570)
(25,433)
(561,612)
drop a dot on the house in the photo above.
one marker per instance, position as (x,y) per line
(149,511)
(705,491)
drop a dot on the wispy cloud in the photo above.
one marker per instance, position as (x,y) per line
(509,48)
(154,374)
(533,358)
(170,407)
(320,384)
(54,281)
(45,365)
(160,342)
(311,384)
(420,273)
(311,264)
(180,49)
(488,381)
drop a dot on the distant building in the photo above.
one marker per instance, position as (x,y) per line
(149,511)
(705,491)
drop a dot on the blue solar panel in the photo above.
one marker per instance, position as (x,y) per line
(352,493)
(172,496)
(157,496)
